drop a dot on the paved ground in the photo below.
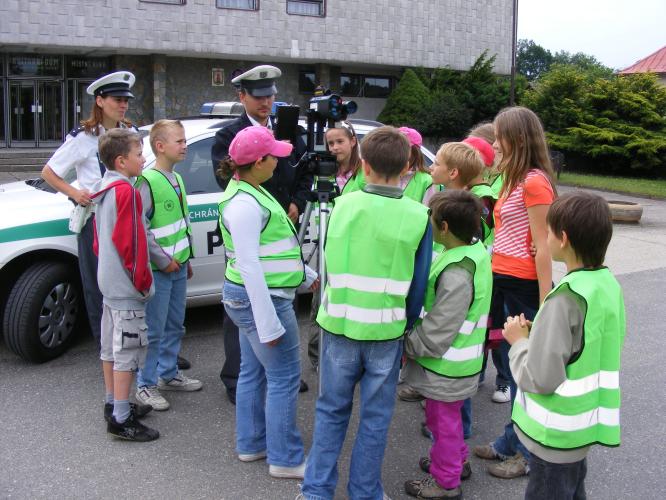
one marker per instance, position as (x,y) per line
(53,443)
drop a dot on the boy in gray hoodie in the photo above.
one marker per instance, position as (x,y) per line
(125,280)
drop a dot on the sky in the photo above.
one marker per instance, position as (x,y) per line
(617,32)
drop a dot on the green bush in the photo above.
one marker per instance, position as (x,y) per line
(607,125)
(406,101)
(456,100)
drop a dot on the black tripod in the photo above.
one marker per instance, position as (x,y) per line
(323,192)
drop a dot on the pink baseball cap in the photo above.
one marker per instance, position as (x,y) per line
(414,137)
(485,150)
(253,143)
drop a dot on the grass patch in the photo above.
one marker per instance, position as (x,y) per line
(644,187)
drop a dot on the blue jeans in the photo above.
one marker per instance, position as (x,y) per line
(466,414)
(165,315)
(345,363)
(267,390)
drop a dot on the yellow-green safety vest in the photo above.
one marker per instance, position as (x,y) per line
(168,222)
(485,191)
(370,251)
(465,356)
(279,250)
(417,186)
(585,408)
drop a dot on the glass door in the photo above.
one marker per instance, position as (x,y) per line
(22,113)
(2,113)
(79,102)
(49,113)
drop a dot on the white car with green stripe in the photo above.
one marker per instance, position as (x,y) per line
(41,305)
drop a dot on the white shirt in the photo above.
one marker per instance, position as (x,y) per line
(245,218)
(268,125)
(79,153)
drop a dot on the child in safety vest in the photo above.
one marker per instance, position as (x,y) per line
(378,253)
(170,246)
(445,351)
(566,363)
(482,190)
(416,182)
(125,281)
(492,175)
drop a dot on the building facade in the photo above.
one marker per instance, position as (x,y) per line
(185,52)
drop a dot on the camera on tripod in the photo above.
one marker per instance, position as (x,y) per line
(324,111)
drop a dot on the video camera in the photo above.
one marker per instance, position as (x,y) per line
(324,111)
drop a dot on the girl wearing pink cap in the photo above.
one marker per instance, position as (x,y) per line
(264,269)
(416,183)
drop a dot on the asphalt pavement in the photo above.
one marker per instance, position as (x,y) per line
(53,442)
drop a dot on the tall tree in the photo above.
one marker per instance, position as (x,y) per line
(532,60)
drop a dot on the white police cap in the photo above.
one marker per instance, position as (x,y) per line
(259,81)
(116,84)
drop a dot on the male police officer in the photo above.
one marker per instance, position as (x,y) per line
(289,185)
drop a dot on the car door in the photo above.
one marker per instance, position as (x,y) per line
(203,196)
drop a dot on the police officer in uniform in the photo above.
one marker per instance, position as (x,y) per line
(79,151)
(289,185)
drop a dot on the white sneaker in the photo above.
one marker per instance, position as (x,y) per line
(280,472)
(151,396)
(501,394)
(180,383)
(251,457)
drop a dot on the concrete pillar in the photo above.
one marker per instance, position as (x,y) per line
(159,65)
(323,78)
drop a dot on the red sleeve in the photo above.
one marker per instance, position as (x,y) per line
(129,237)
(95,240)
(538,191)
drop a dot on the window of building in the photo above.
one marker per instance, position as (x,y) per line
(306,7)
(306,81)
(366,85)
(237,4)
(350,85)
(172,2)
(376,86)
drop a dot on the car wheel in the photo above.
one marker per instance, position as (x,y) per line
(42,311)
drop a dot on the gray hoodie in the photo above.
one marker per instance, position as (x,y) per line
(123,272)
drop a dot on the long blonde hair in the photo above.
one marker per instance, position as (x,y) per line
(524,147)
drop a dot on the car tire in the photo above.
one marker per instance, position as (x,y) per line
(42,311)
(625,211)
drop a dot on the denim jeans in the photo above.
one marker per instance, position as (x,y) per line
(344,364)
(88,269)
(267,390)
(165,314)
(549,481)
(466,414)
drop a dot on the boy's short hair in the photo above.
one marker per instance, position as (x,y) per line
(586,219)
(116,142)
(460,209)
(386,150)
(464,158)
(160,129)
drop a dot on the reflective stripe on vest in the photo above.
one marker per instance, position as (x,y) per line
(168,221)
(279,251)
(464,357)
(417,186)
(585,408)
(370,265)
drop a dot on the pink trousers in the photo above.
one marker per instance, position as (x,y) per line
(448,451)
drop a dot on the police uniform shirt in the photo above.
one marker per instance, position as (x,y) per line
(79,151)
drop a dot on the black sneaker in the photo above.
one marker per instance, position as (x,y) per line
(424,464)
(183,364)
(138,410)
(303,387)
(131,430)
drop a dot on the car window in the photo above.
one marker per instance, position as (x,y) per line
(196,169)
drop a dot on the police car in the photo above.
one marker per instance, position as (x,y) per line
(41,305)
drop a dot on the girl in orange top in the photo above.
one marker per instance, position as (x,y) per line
(521,279)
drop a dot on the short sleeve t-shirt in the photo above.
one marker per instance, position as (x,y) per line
(513,238)
(79,152)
